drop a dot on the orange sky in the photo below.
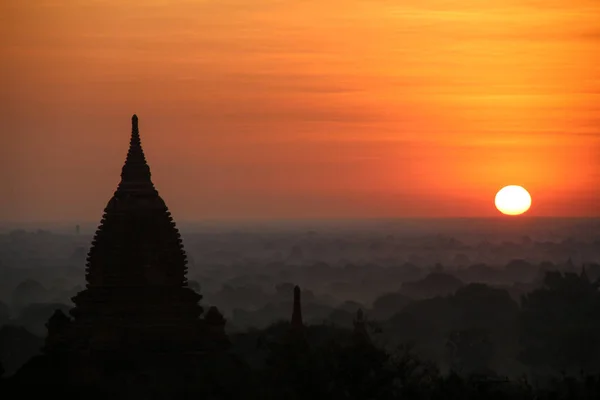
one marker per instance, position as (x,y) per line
(281,108)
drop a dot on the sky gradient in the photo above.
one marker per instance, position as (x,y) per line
(293,109)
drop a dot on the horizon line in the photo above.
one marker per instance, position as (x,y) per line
(301,219)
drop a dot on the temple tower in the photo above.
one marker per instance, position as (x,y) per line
(136,293)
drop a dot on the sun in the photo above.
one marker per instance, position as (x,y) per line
(513,200)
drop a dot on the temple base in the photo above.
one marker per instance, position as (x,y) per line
(138,319)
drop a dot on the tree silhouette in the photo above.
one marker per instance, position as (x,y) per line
(560,324)
(28,291)
(389,304)
(470,351)
(357,371)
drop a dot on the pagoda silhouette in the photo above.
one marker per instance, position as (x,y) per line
(136,293)
(136,310)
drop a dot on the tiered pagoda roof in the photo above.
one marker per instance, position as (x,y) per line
(137,242)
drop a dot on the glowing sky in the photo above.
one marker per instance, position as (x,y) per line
(313,108)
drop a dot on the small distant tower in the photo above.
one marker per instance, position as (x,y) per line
(215,323)
(77,229)
(361,336)
(297,311)
(296,337)
(58,326)
(583,275)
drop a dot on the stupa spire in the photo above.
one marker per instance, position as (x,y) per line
(137,242)
(135,173)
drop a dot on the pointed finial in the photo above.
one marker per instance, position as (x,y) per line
(135,131)
(134,124)
(297,311)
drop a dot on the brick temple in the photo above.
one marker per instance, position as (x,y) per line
(136,294)
(136,305)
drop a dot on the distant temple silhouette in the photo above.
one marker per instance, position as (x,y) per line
(297,311)
(297,332)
